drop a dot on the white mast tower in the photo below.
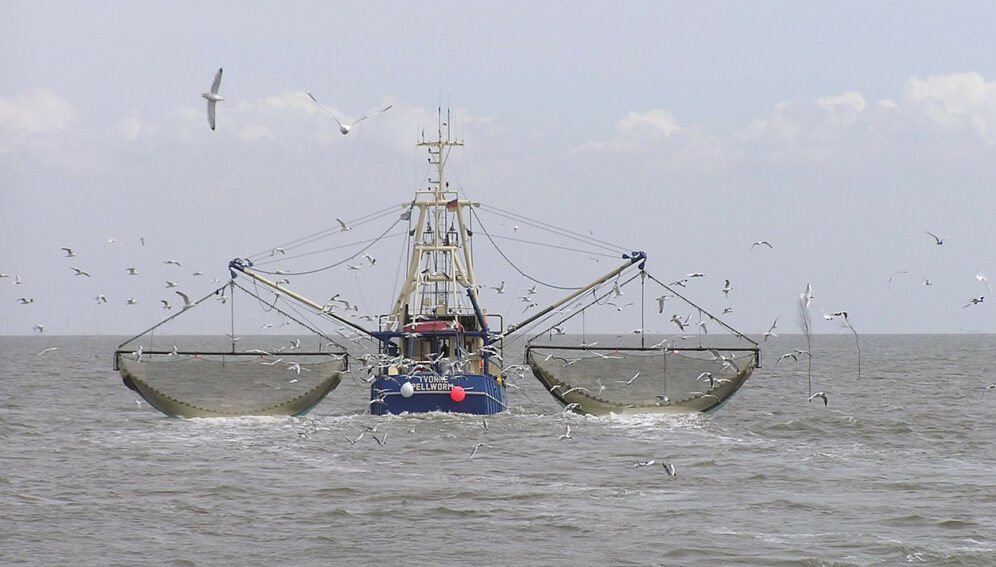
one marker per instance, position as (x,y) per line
(441,267)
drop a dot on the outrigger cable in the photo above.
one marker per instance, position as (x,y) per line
(339,263)
(557,230)
(510,263)
(323,233)
(701,310)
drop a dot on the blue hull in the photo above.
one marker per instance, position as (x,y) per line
(483,395)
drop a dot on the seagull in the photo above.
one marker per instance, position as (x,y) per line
(702,325)
(974,301)
(38,327)
(344,226)
(727,288)
(174,262)
(101,298)
(937,239)
(893,276)
(646,463)
(25,300)
(370,259)
(567,433)
(630,381)
(823,395)
(477,447)
(345,128)
(791,355)
(353,441)
(499,288)
(695,275)
(186,300)
(381,440)
(132,271)
(761,243)
(807,296)
(170,284)
(49,349)
(70,253)
(166,304)
(989,387)
(570,407)
(926,282)
(213,98)
(660,302)
(80,272)
(131,301)
(669,469)
(984,281)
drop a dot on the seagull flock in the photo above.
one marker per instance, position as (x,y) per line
(79,273)
(213,97)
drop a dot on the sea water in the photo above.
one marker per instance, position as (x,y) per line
(899,468)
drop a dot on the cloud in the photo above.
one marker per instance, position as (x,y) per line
(954,101)
(40,112)
(255,133)
(132,127)
(657,119)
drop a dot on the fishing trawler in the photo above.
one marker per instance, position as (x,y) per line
(439,348)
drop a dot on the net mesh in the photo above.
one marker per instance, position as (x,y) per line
(231,384)
(644,370)
(639,380)
(268,372)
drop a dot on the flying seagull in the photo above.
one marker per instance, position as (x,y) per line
(669,469)
(974,301)
(761,243)
(345,128)
(893,276)
(807,296)
(984,281)
(567,433)
(770,332)
(822,395)
(186,300)
(213,98)
(937,239)
(477,447)
(70,253)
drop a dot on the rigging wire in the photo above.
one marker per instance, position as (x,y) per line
(359,221)
(510,263)
(323,250)
(554,229)
(547,245)
(339,263)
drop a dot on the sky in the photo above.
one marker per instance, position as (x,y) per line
(842,133)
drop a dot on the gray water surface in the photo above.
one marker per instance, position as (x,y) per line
(899,468)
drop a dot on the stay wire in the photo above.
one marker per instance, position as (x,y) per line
(510,263)
(339,263)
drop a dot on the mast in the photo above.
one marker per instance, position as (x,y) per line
(441,261)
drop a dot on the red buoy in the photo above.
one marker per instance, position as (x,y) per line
(457,394)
